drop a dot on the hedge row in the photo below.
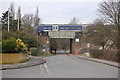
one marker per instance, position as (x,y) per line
(112,55)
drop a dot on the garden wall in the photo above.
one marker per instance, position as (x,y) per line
(12,58)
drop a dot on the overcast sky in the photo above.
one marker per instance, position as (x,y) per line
(56,11)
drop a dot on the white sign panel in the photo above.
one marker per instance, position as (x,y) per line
(88,44)
(77,40)
(55,27)
(43,50)
(47,41)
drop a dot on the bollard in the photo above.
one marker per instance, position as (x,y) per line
(76,52)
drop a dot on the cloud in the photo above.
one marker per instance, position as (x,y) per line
(58,12)
(50,0)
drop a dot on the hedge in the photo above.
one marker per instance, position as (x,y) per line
(110,54)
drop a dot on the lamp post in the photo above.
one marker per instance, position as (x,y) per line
(18,23)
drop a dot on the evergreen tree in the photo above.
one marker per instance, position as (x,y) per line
(4,21)
(12,11)
(36,18)
(19,17)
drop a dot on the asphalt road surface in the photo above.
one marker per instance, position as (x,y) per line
(63,66)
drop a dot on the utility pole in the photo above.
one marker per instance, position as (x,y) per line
(8,20)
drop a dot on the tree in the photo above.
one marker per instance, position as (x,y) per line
(27,23)
(74,21)
(27,19)
(110,11)
(19,13)
(19,17)
(4,21)
(98,33)
(12,11)
(36,18)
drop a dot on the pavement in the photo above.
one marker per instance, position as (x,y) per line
(32,62)
(111,63)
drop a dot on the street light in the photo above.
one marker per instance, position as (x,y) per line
(18,23)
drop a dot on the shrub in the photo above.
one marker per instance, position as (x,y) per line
(34,51)
(31,40)
(13,46)
(21,47)
(9,45)
(7,35)
(106,54)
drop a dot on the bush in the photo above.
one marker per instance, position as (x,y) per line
(34,51)
(26,38)
(13,46)
(7,35)
(106,54)
(21,47)
(31,41)
(9,45)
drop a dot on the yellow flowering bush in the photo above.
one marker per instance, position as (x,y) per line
(21,47)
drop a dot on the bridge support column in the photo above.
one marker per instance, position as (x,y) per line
(71,40)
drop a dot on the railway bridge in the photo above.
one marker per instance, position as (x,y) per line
(71,32)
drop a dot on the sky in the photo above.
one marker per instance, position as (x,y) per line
(56,11)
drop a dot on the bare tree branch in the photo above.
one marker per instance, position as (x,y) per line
(27,19)
(110,10)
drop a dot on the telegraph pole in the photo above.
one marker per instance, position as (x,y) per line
(8,20)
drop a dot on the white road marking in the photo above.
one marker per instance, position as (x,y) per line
(45,65)
(46,68)
(43,70)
